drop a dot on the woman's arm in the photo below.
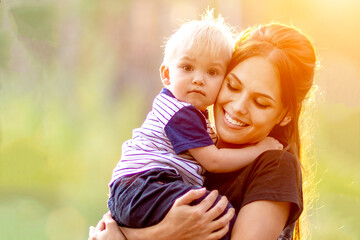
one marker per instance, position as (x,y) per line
(263,220)
(182,221)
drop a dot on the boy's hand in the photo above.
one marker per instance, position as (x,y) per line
(270,143)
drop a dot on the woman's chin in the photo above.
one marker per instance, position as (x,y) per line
(232,142)
(233,135)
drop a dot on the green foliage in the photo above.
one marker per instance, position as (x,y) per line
(61,127)
(55,164)
(4,49)
(337,141)
(35,21)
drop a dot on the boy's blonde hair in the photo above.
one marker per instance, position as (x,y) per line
(210,34)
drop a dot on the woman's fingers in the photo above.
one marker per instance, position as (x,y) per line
(101,225)
(208,201)
(92,233)
(221,226)
(106,229)
(190,196)
(218,209)
(198,222)
(107,218)
(111,225)
(223,220)
(219,233)
(205,204)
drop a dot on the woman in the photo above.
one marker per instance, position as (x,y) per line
(270,74)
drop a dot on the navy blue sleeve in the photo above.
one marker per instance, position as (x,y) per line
(187,129)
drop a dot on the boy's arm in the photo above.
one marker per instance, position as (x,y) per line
(228,159)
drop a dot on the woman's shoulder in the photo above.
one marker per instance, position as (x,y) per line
(278,155)
(277,158)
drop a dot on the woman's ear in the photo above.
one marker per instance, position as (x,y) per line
(286,119)
(164,74)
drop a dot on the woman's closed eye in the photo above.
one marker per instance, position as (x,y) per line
(232,85)
(261,103)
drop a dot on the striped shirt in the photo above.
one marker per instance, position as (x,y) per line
(171,128)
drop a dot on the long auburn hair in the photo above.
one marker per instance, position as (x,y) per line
(293,55)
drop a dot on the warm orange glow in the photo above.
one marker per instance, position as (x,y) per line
(77,76)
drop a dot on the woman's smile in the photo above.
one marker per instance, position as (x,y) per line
(249,103)
(230,120)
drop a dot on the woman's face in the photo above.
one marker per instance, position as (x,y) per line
(249,103)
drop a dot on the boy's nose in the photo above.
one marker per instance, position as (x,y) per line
(199,79)
(198,82)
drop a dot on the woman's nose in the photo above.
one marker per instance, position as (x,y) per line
(240,103)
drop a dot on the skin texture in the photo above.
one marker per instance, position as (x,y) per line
(270,218)
(249,103)
(217,160)
(106,229)
(194,76)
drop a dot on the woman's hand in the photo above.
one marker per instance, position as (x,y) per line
(198,221)
(106,229)
(184,222)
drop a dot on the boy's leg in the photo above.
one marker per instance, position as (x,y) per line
(147,198)
(144,200)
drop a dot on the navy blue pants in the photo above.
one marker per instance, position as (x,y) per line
(144,199)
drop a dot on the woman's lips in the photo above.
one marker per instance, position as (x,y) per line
(234,122)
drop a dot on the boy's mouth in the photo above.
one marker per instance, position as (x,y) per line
(197,91)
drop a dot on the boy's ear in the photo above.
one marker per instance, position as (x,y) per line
(164,74)
(286,119)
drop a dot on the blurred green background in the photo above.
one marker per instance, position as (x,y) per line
(76,76)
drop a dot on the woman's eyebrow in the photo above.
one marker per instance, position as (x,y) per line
(257,93)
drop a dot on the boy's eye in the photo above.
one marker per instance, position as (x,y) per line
(187,68)
(212,72)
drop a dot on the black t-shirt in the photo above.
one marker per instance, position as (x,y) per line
(274,176)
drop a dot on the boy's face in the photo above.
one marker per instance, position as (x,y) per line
(195,75)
